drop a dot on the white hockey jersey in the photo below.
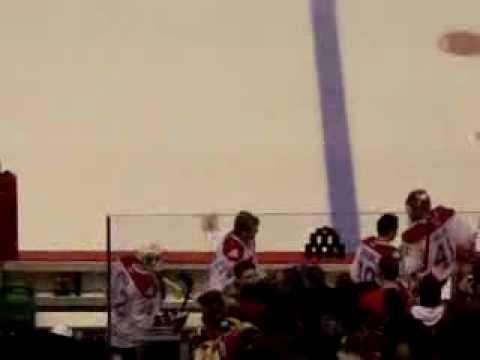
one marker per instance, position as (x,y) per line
(230,251)
(433,243)
(135,301)
(365,266)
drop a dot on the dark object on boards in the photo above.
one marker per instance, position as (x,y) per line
(324,243)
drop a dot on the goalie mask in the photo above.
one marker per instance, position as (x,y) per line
(151,256)
(418,205)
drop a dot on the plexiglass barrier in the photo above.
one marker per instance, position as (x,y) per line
(277,232)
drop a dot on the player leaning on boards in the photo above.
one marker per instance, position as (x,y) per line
(236,246)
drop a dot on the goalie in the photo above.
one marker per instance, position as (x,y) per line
(136,297)
(436,240)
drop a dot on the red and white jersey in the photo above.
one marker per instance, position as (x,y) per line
(230,251)
(135,300)
(365,264)
(432,244)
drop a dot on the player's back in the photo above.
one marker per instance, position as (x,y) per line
(365,267)
(431,244)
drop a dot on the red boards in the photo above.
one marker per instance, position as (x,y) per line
(8,216)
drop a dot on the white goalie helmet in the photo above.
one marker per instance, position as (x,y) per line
(151,255)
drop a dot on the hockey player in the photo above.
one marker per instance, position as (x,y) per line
(135,299)
(237,245)
(365,264)
(436,239)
